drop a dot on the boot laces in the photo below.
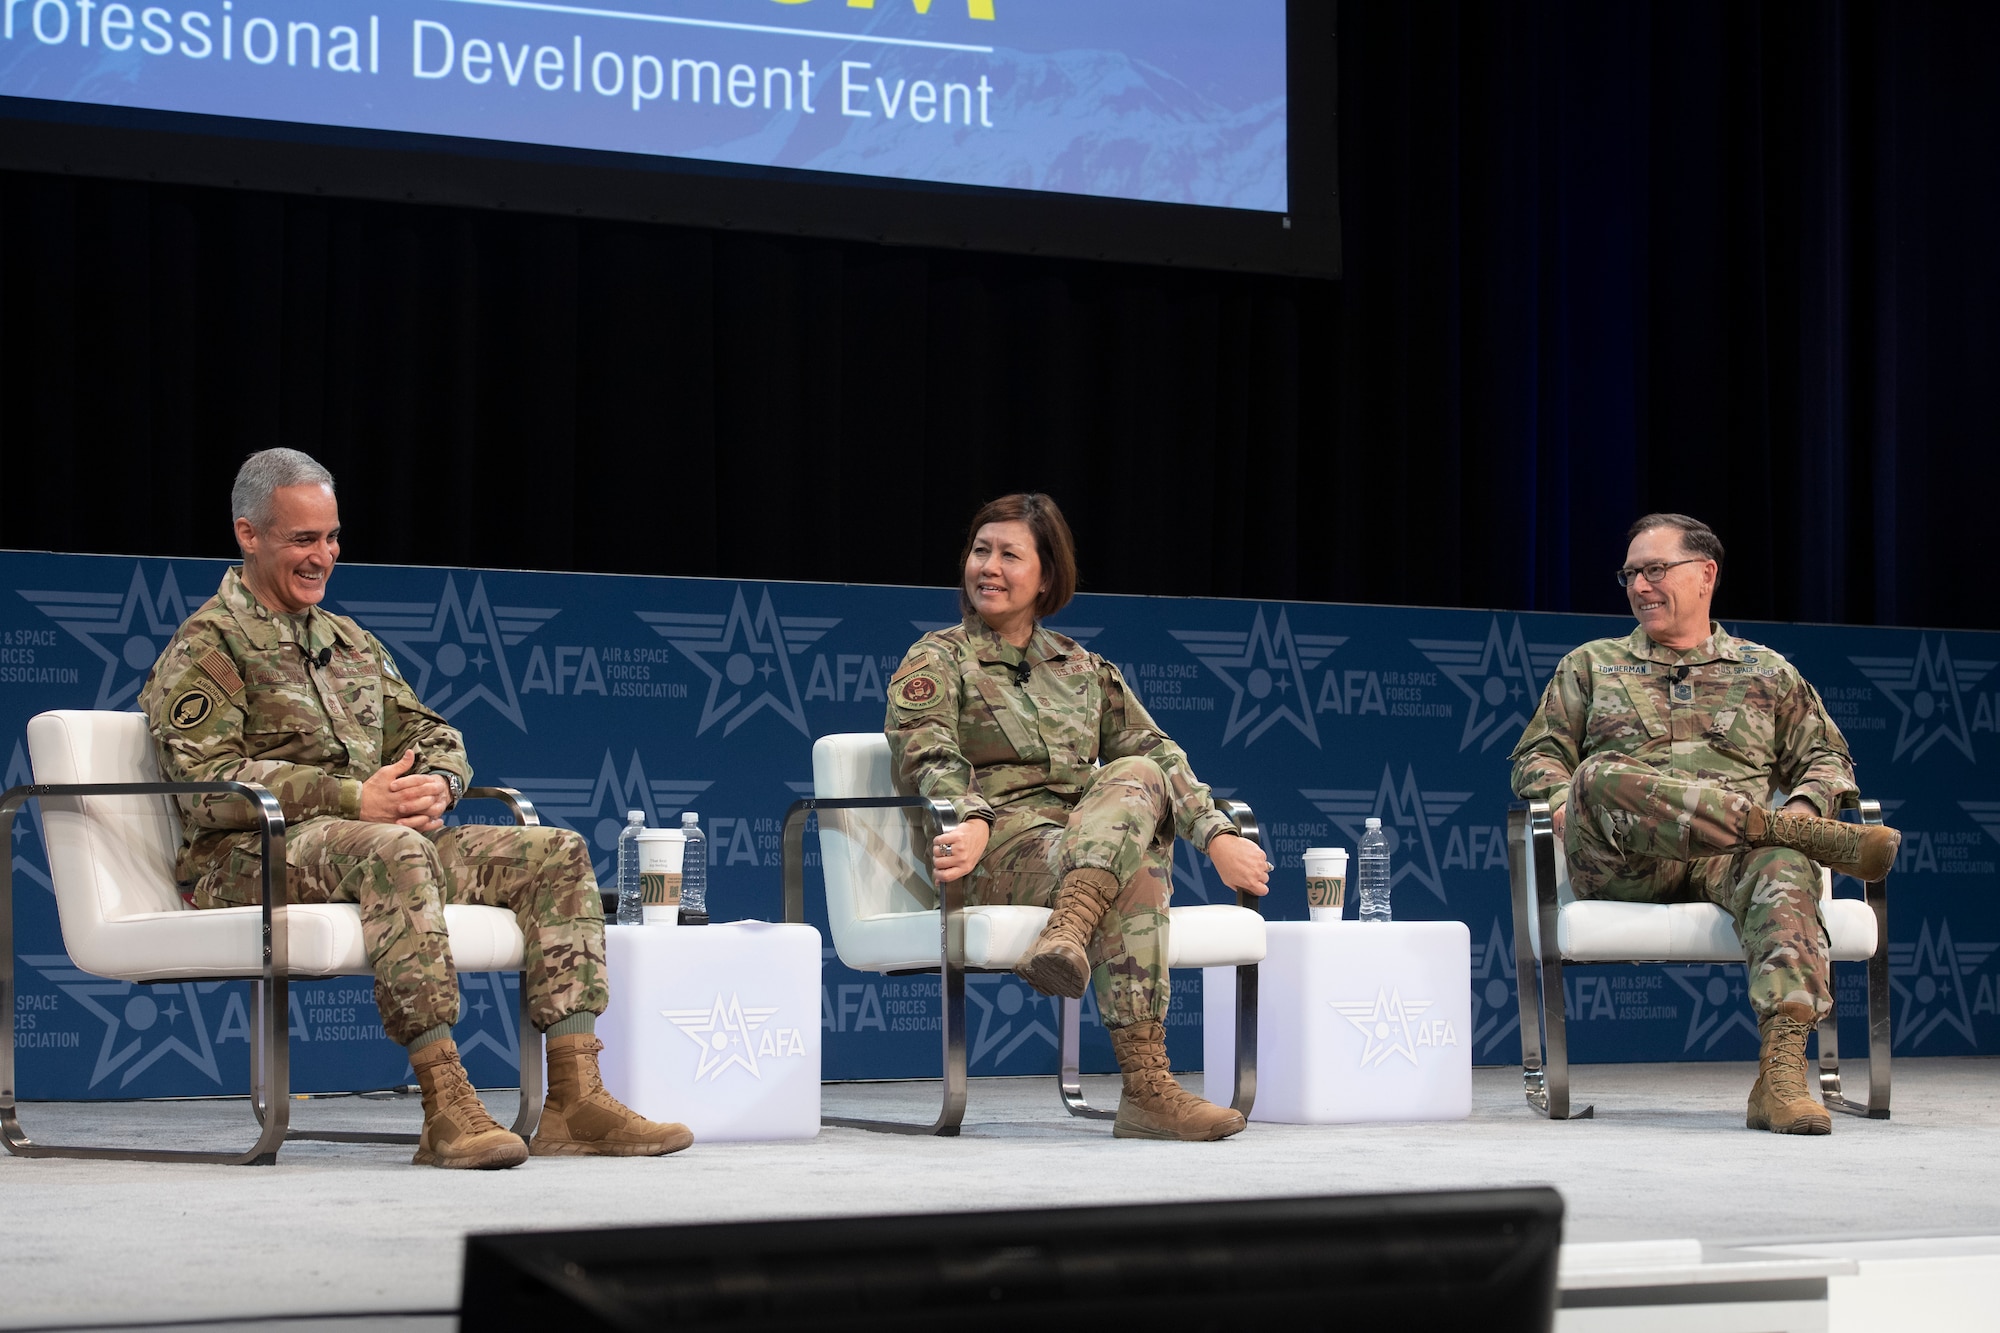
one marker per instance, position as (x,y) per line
(1828,839)
(589,1079)
(1785,1071)
(452,1094)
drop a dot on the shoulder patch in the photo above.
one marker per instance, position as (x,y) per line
(220,670)
(918,690)
(190,709)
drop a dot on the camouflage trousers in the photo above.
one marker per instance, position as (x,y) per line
(403,880)
(1635,834)
(1121,824)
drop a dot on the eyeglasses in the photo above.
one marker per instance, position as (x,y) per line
(1653,572)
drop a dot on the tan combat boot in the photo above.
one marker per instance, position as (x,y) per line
(1153,1105)
(457,1130)
(1779,1100)
(1058,963)
(1865,851)
(581,1119)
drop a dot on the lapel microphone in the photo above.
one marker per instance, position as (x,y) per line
(319,659)
(1021,673)
(1680,672)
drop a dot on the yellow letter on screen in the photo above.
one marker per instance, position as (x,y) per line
(975,9)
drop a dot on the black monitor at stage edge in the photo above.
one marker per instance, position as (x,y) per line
(1481,1259)
(1190,132)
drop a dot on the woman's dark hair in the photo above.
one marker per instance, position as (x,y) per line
(1053,546)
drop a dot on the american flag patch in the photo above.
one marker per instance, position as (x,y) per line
(221,670)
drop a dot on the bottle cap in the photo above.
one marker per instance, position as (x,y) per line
(635,816)
(689,818)
(1371,823)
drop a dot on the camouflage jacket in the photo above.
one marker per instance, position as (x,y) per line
(960,729)
(239,696)
(1743,716)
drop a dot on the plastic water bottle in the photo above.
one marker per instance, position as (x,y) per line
(631,912)
(1374,876)
(694,871)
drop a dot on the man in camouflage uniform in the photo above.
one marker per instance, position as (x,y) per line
(262,685)
(1659,754)
(1012,735)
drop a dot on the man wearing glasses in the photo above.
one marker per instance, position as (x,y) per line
(1660,754)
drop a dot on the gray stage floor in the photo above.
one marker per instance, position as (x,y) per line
(337,1229)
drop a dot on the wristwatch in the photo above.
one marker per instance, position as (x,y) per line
(451,780)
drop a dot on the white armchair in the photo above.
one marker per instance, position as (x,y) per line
(1553,928)
(887,916)
(112,829)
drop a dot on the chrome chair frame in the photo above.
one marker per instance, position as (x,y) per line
(939,819)
(1531,865)
(270,1047)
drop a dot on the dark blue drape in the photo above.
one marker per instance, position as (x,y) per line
(1726,258)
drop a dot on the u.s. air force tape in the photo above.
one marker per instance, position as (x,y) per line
(191,709)
(918,690)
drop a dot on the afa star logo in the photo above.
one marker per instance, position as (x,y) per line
(125,630)
(29,852)
(1265,669)
(143,1025)
(730,1035)
(1408,814)
(1720,1003)
(1929,976)
(1496,1011)
(436,645)
(1501,678)
(1385,1026)
(1986,814)
(596,806)
(747,658)
(488,1016)
(1012,1016)
(1929,692)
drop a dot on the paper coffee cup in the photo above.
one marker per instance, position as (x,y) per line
(1326,881)
(660,854)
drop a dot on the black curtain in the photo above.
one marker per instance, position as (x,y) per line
(1730,259)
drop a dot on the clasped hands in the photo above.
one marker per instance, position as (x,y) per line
(1239,862)
(395,795)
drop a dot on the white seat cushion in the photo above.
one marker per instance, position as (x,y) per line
(324,939)
(1611,932)
(997,937)
(1217,935)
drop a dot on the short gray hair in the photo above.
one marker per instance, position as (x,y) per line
(266,471)
(1697,538)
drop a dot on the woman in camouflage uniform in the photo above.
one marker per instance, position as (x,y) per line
(1068,796)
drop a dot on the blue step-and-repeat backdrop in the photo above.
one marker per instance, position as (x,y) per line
(599,694)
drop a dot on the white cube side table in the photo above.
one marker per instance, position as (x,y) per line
(716,1027)
(1355,1021)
